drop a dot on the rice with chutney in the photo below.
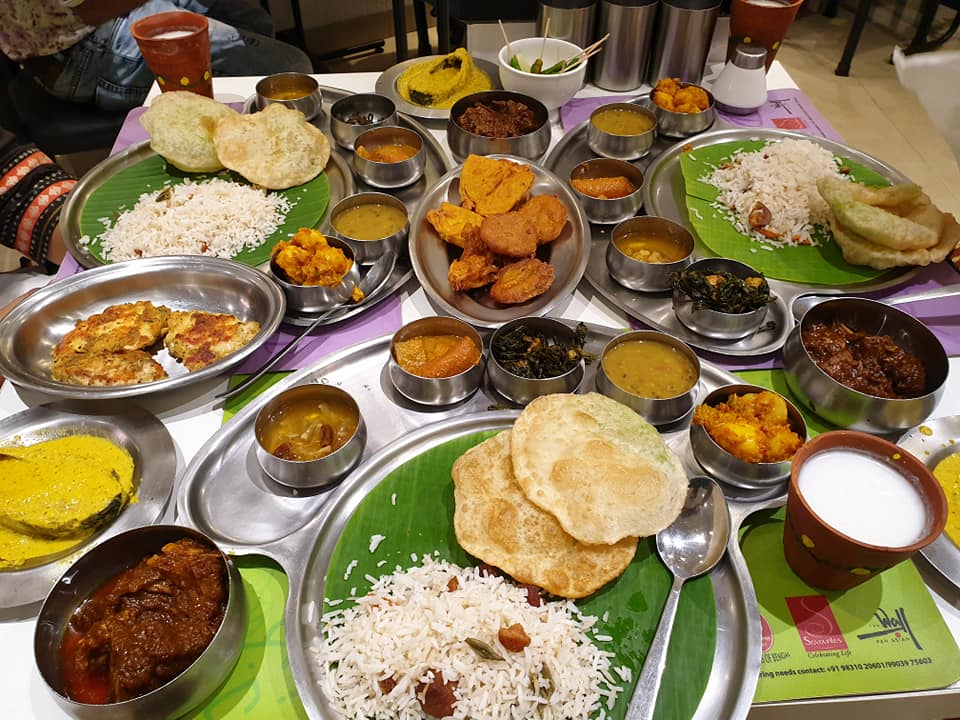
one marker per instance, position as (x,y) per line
(217,217)
(771,193)
(435,634)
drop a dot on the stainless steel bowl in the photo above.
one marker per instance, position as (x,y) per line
(379,109)
(307,299)
(639,274)
(608,210)
(88,574)
(293,90)
(531,145)
(442,390)
(33,328)
(521,390)
(680,125)
(389,174)
(316,474)
(622,147)
(367,251)
(848,408)
(726,466)
(657,411)
(713,323)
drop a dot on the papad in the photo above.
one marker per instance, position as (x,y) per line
(496,523)
(602,470)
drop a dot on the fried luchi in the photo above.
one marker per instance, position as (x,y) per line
(499,228)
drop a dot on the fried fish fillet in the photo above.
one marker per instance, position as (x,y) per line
(489,186)
(198,339)
(495,522)
(547,215)
(130,326)
(125,367)
(451,221)
(522,281)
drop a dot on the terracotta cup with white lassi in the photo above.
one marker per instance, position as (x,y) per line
(857,505)
(176,47)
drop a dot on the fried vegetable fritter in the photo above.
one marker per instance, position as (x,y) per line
(489,186)
(450,221)
(509,234)
(476,266)
(548,216)
(522,281)
(198,339)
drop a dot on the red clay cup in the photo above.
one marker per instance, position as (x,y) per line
(761,22)
(830,560)
(176,46)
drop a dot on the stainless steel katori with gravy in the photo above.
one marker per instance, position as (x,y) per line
(504,632)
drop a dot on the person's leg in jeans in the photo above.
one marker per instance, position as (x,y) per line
(107,68)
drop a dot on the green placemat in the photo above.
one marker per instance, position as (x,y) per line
(820,265)
(120,192)
(885,635)
(422,522)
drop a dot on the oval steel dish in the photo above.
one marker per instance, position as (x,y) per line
(128,426)
(225,495)
(387,85)
(29,333)
(431,256)
(933,441)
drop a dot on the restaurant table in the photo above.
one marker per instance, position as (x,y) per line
(192,416)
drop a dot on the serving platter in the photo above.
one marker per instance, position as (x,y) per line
(225,494)
(431,256)
(387,85)
(126,425)
(932,442)
(30,332)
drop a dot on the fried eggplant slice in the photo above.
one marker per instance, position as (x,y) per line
(130,326)
(490,187)
(126,367)
(522,281)
(198,339)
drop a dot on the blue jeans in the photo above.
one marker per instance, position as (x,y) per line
(106,67)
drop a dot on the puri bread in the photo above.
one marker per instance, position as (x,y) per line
(857,250)
(597,466)
(181,126)
(275,148)
(495,522)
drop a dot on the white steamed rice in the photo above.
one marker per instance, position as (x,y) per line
(783,176)
(217,217)
(410,625)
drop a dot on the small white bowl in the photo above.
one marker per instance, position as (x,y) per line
(552,90)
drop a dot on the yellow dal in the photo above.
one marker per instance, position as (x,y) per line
(649,369)
(651,248)
(370,221)
(57,482)
(622,122)
(948,473)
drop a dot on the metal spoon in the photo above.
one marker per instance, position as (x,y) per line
(802,303)
(371,282)
(689,547)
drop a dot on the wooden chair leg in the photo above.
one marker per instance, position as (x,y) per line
(400,28)
(423,35)
(443,26)
(853,39)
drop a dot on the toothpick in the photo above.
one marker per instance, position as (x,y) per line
(506,40)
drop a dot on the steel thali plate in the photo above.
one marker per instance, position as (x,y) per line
(126,425)
(664,195)
(30,332)
(933,441)
(387,85)
(225,494)
(431,256)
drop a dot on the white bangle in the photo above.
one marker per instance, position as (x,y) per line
(71,3)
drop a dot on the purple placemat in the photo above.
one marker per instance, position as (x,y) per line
(385,317)
(784,110)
